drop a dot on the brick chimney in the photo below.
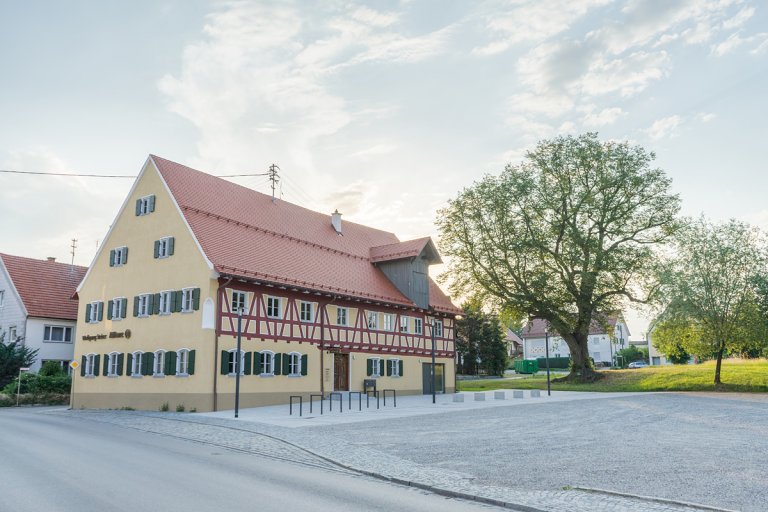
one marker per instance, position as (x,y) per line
(51,259)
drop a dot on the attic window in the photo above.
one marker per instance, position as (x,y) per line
(145,205)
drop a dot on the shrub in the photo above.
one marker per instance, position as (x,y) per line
(165,407)
(180,408)
(51,369)
(37,384)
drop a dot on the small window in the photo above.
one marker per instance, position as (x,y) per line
(164,247)
(305,311)
(90,365)
(187,300)
(118,257)
(145,205)
(113,366)
(12,333)
(158,369)
(166,302)
(273,307)
(373,320)
(389,322)
(267,363)
(239,302)
(142,309)
(117,307)
(375,367)
(341,316)
(403,324)
(136,366)
(395,367)
(95,312)
(438,328)
(57,334)
(182,362)
(418,326)
(233,361)
(294,363)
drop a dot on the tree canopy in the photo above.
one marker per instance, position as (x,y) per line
(13,356)
(565,236)
(480,341)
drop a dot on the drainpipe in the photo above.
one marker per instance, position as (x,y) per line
(216,344)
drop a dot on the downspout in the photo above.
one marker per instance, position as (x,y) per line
(216,344)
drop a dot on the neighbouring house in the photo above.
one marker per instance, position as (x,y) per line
(514,344)
(322,305)
(655,358)
(37,308)
(604,340)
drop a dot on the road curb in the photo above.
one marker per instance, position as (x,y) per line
(665,501)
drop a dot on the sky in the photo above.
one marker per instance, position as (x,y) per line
(382,110)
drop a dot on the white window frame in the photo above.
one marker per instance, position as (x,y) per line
(2,298)
(239,299)
(164,247)
(372,320)
(165,302)
(144,205)
(342,316)
(378,367)
(93,318)
(48,330)
(12,333)
(404,324)
(159,362)
(232,353)
(438,327)
(187,300)
(119,260)
(302,310)
(267,362)
(136,363)
(396,363)
(272,303)
(418,326)
(90,360)
(117,308)
(143,309)
(112,364)
(294,363)
(182,362)
(389,322)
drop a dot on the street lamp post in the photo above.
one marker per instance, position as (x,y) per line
(433,361)
(18,387)
(238,360)
(546,348)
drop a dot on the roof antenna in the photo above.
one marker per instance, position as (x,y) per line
(274,178)
(72,252)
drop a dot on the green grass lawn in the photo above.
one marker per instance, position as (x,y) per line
(736,375)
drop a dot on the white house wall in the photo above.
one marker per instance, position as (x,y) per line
(12,312)
(600,348)
(57,351)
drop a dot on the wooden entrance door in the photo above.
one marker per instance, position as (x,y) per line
(341,372)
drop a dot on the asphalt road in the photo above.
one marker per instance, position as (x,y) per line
(50,463)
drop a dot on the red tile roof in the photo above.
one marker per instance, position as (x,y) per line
(244,233)
(45,287)
(400,250)
(536,328)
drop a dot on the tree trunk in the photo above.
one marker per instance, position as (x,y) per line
(582,369)
(719,363)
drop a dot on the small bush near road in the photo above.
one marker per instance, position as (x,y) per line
(30,399)
(38,384)
(741,375)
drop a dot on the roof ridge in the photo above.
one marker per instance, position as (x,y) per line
(273,233)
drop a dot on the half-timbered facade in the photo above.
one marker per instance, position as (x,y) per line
(320,305)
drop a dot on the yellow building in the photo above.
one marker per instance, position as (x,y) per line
(321,306)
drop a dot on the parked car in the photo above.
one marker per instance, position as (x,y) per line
(637,364)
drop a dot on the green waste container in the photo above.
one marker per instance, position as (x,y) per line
(526,366)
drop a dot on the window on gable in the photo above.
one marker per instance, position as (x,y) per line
(57,334)
(273,307)
(389,322)
(305,311)
(239,301)
(341,316)
(158,369)
(118,257)
(164,247)
(116,308)
(373,320)
(403,324)
(94,312)
(145,205)
(267,363)
(418,326)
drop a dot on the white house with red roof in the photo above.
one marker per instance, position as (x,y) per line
(36,306)
(605,339)
(321,304)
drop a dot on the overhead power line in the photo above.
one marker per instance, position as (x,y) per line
(110,175)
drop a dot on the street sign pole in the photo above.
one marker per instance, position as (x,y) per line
(18,387)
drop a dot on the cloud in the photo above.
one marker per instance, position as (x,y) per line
(603,118)
(759,42)
(705,117)
(664,127)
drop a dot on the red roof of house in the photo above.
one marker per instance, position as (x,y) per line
(245,233)
(400,250)
(45,287)
(536,328)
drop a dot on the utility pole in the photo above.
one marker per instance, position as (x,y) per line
(274,177)
(72,252)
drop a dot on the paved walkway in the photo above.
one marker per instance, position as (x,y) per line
(390,444)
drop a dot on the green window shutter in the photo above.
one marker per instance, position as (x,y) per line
(172,309)
(248,363)
(157,248)
(152,203)
(148,363)
(82,366)
(258,361)
(278,364)
(150,304)
(96,363)
(370,367)
(110,305)
(106,365)
(101,311)
(224,362)
(125,255)
(112,258)
(120,363)
(136,306)
(286,364)
(129,366)
(170,363)
(123,308)
(87,312)
(191,364)
(138,207)
(402,363)
(171,243)
(389,367)
(179,300)
(304,361)
(196,299)
(156,304)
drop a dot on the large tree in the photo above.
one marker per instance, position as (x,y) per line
(564,236)
(708,288)
(480,341)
